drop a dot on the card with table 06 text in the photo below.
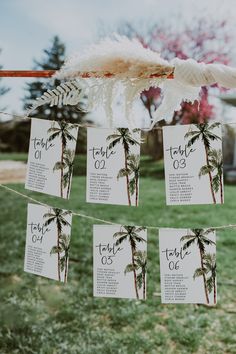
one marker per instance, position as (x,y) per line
(188,266)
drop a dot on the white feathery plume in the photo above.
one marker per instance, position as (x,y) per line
(122,57)
(124,66)
(113,65)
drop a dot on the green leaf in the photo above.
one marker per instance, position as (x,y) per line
(139,280)
(123,173)
(198,273)
(216,183)
(62,263)
(130,268)
(55,249)
(205,170)
(58,166)
(132,186)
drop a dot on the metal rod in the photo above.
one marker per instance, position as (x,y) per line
(26,73)
(50,73)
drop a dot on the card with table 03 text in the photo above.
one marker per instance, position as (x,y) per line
(193,164)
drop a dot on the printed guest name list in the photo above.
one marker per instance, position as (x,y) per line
(109,174)
(51,155)
(191,155)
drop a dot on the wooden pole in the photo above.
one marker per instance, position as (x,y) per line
(50,73)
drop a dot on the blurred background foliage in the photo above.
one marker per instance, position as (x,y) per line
(208,41)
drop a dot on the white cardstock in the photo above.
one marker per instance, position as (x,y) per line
(188,271)
(193,164)
(44,240)
(113,166)
(119,271)
(51,155)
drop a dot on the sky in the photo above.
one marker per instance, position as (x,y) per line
(27,27)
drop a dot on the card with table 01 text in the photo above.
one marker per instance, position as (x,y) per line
(51,157)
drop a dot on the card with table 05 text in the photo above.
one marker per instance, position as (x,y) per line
(193,164)
(113,158)
(48,242)
(51,157)
(188,266)
(120,261)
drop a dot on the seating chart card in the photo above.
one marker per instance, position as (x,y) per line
(188,266)
(120,261)
(113,166)
(51,157)
(193,164)
(47,242)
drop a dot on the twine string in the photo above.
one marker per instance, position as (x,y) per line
(74,213)
(87,125)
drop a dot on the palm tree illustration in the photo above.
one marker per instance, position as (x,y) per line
(215,165)
(131,234)
(199,237)
(204,133)
(124,136)
(140,263)
(68,164)
(133,171)
(64,247)
(63,131)
(57,216)
(209,264)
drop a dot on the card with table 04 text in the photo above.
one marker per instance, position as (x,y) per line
(188,266)
(51,157)
(47,242)
(193,164)
(120,261)
(113,157)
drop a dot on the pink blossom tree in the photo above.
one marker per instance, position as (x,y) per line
(204,41)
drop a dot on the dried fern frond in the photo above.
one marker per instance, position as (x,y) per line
(68,93)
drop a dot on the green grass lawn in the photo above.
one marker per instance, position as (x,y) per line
(42,316)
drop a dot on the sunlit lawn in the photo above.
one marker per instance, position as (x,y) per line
(41,316)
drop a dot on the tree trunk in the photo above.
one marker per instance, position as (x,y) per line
(214,290)
(144,286)
(62,156)
(154,141)
(221,190)
(58,257)
(210,177)
(127,178)
(66,265)
(204,278)
(136,191)
(68,188)
(135,275)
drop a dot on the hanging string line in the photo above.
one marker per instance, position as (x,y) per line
(49,207)
(230,226)
(87,125)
